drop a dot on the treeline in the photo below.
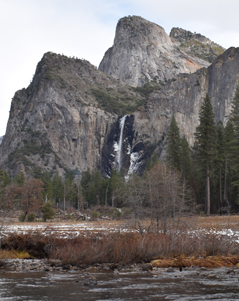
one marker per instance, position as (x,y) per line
(205,177)
(211,167)
(67,192)
(60,192)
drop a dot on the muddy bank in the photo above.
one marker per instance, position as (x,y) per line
(157,266)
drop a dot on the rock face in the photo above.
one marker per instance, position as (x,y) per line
(143,52)
(62,119)
(75,117)
(181,97)
(196,44)
(1,138)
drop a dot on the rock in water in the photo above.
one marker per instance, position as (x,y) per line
(90,280)
(147,267)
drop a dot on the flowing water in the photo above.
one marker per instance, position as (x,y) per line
(157,285)
(119,154)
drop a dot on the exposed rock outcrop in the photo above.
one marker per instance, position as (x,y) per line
(62,119)
(143,52)
(196,44)
(70,116)
(181,97)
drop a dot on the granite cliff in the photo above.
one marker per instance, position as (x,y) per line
(182,97)
(73,116)
(143,52)
(196,44)
(62,119)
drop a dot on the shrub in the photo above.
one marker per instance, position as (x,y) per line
(48,211)
(126,248)
(117,214)
(21,218)
(31,217)
(94,215)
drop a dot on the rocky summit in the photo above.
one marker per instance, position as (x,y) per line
(75,117)
(62,119)
(196,44)
(143,52)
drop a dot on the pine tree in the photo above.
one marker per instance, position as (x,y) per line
(233,156)
(58,188)
(152,161)
(220,157)
(205,144)
(173,156)
(19,178)
(229,136)
(48,211)
(186,161)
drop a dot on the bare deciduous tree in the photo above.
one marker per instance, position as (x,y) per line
(159,194)
(31,196)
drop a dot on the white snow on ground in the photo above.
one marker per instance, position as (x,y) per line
(234,235)
(62,230)
(85,228)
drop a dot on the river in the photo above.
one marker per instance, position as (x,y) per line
(190,284)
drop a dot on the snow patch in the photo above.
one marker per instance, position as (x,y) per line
(134,163)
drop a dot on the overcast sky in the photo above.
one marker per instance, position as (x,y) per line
(86,29)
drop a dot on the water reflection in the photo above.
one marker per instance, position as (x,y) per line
(157,285)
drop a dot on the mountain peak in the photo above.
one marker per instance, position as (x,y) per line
(196,44)
(144,52)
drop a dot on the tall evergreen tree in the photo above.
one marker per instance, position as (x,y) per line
(229,166)
(205,144)
(220,158)
(233,156)
(186,161)
(58,188)
(173,156)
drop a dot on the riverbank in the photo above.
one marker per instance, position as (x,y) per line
(209,242)
(117,251)
(169,265)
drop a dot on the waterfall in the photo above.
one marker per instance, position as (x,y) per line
(119,152)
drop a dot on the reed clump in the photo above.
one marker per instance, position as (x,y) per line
(162,249)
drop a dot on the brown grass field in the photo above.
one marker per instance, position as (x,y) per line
(194,222)
(106,246)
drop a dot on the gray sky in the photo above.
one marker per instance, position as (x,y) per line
(86,29)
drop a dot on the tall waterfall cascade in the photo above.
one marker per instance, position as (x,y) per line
(124,154)
(118,146)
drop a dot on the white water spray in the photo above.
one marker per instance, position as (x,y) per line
(119,153)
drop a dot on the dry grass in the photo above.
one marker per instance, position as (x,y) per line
(13,254)
(194,222)
(208,262)
(218,222)
(127,248)
(174,249)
